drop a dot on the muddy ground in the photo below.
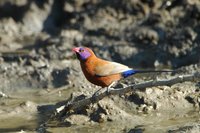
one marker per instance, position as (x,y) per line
(36,38)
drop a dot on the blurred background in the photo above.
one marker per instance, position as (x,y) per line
(139,33)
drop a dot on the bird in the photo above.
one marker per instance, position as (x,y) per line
(102,72)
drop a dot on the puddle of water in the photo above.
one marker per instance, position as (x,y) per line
(15,124)
(11,119)
(153,122)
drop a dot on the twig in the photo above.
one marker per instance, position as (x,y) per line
(77,105)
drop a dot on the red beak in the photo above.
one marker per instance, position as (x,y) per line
(76,50)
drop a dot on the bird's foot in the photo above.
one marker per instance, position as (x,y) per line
(97,92)
(71,99)
(109,89)
(112,84)
(102,90)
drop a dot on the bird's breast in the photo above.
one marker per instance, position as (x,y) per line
(88,69)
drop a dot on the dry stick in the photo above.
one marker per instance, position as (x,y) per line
(82,103)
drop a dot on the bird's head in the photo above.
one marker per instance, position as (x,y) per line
(83,53)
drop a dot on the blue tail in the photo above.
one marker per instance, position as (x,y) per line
(132,72)
(129,73)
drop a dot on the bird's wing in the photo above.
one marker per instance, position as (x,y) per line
(110,68)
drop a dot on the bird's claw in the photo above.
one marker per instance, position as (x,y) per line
(108,90)
(96,93)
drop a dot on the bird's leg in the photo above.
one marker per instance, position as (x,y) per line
(71,99)
(110,87)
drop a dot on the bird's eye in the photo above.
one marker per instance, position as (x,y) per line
(81,50)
